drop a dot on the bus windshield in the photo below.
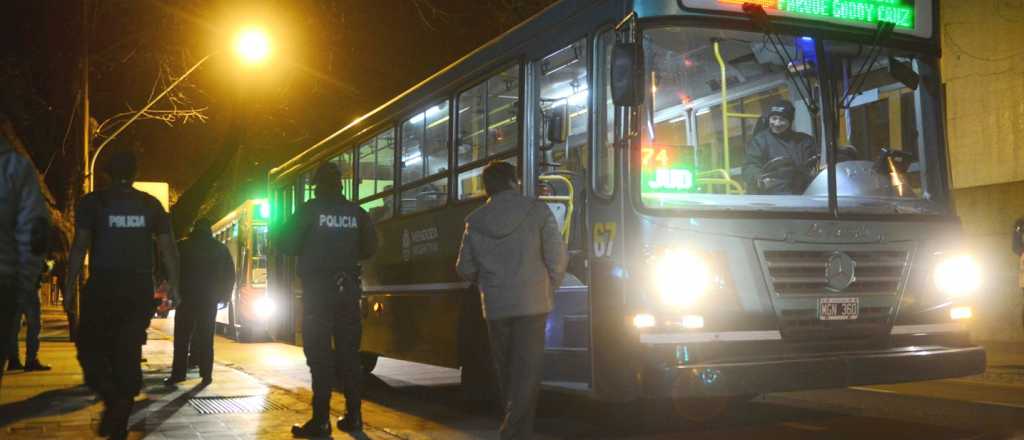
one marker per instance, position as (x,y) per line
(735,121)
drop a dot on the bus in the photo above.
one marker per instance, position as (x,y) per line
(250,314)
(689,277)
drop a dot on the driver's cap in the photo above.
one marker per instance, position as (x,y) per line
(782,108)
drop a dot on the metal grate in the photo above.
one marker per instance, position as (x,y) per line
(803,272)
(234,405)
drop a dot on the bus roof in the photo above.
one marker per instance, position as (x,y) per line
(496,51)
(483,57)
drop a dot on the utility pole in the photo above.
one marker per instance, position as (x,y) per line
(86,117)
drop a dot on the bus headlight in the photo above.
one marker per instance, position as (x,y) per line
(958,276)
(681,278)
(264,307)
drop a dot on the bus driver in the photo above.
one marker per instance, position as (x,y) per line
(780,142)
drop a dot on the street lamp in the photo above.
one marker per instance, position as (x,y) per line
(252,46)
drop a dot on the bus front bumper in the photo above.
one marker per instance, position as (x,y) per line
(831,370)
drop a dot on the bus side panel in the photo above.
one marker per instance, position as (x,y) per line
(413,300)
(419,327)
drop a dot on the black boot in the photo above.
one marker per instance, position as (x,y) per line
(312,429)
(34,365)
(14,364)
(116,412)
(351,422)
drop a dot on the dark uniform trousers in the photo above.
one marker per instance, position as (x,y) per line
(517,345)
(116,308)
(329,314)
(193,336)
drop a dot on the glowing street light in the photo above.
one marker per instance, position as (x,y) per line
(253,45)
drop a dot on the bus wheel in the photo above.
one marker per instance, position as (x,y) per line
(368,361)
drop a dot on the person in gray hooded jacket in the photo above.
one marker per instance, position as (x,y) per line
(513,251)
(24,221)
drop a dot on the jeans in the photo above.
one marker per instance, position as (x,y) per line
(193,336)
(517,345)
(115,312)
(329,314)
(29,307)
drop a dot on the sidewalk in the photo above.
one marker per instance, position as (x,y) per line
(261,402)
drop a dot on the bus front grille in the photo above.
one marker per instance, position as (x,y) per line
(793,272)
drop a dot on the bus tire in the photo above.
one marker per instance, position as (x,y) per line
(368,361)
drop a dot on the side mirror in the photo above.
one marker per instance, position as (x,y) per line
(627,74)
(558,124)
(904,73)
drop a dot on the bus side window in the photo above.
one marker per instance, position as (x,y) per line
(376,175)
(424,159)
(346,166)
(488,128)
(564,100)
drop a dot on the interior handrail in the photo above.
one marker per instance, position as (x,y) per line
(568,199)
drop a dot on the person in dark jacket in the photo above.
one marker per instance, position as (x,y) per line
(24,220)
(207,278)
(513,251)
(330,235)
(117,226)
(779,140)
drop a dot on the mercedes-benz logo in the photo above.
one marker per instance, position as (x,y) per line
(840,271)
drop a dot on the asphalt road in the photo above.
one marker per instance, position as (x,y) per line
(911,412)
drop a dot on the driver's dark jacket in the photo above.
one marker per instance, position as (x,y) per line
(765,146)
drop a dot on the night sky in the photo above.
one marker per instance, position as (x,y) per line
(332,61)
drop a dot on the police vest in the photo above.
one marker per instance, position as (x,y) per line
(123,226)
(331,242)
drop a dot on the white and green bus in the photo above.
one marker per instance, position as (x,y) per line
(633,120)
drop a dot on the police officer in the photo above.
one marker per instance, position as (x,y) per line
(330,235)
(117,226)
(779,140)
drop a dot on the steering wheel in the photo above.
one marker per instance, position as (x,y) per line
(775,174)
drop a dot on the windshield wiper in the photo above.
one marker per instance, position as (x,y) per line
(882,33)
(760,19)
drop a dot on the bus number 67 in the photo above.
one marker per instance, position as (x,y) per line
(604,239)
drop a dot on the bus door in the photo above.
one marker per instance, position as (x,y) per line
(561,165)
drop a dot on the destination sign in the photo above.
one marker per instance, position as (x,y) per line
(665,170)
(909,16)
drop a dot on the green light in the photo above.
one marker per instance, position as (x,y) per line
(667,180)
(666,170)
(864,11)
(264,211)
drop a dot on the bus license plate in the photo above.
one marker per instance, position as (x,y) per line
(838,309)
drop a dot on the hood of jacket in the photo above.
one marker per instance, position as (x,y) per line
(502,214)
